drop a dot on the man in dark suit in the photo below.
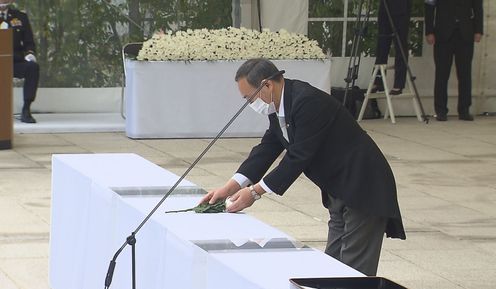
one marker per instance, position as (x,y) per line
(453,26)
(25,65)
(323,141)
(400,11)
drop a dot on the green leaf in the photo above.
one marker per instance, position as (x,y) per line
(218,207)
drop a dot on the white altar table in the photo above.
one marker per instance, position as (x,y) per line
(175,99)
(98,199)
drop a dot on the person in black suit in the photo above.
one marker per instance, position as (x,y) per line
(400,11)
(25,65)
(453,26)
(323,141)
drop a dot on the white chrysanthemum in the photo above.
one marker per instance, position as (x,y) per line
(228,44)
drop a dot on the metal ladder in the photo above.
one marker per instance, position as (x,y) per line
(389,109)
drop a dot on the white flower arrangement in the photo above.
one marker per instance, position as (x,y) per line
(228,44)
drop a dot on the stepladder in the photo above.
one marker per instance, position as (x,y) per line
(389,111)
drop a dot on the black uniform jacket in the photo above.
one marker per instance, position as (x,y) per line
(398,7)
(23,35)
(445,16)
(330,148)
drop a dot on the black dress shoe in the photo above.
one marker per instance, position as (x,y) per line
(27,118)
(441,117)
(466,116)
(396,91)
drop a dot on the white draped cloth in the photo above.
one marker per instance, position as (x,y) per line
(174,99)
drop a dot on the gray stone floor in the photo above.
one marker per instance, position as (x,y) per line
(446,177)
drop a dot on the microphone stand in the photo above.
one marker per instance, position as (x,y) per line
(131,239)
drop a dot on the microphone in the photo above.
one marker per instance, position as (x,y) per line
(131,239)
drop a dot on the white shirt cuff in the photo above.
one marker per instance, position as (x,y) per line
(241,180)
(265,187)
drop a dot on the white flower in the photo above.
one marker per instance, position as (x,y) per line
(228,44)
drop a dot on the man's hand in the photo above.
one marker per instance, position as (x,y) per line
(477,37)
(221,193)
(240,201)
(30,57)
(215,195)
(431,39)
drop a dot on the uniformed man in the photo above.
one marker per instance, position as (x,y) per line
(25,65)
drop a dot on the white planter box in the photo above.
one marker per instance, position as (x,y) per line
(196,99)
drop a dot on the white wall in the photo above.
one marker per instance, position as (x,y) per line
(291,15)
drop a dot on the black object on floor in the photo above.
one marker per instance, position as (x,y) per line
(345,283)
(354,100)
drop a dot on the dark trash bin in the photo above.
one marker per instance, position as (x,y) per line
(345,283)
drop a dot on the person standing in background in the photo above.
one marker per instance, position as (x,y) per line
(25,65)
(453,26)
(400,11)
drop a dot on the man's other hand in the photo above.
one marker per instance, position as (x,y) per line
(477,37)
(240,201)
(30,57)
(215,195)
(431,39)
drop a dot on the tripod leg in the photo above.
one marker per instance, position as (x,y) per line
(388,97)
(360,31)
(416,105)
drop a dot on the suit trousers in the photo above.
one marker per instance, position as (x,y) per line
(355,238)
(30,71)
(463,52)
(385,37)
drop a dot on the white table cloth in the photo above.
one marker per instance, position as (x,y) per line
(196,99)
(90,221)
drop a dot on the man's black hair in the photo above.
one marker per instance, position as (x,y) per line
(256,70)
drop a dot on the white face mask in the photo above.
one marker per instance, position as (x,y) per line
(262,107)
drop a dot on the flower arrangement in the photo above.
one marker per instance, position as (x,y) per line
(228,44)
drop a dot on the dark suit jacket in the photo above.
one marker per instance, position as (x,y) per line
(443,18)
(23,35)
(330,148)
